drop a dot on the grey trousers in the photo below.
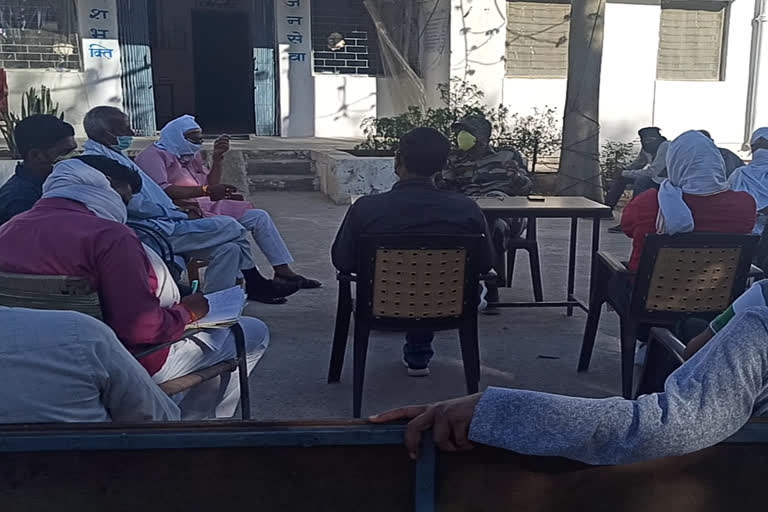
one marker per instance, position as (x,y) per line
(220,240)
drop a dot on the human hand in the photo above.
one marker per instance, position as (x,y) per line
(197,304)
(221,191)
(220,146)
(449,421)
(193,211)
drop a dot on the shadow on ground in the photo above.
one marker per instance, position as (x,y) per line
(533,349)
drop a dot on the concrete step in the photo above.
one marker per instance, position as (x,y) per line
(278,167)
(281,182)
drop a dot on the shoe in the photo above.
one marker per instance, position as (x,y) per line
(414,371)
(272,292)
(616,229)
(272,301)
(305,283)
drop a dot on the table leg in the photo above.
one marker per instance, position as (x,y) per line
(572,263)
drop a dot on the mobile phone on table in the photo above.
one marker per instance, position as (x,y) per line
(535,198)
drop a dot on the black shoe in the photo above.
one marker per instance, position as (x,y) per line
(616,229)
(304,282)
(271,292)
(275,301)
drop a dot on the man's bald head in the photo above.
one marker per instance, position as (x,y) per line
(105,124)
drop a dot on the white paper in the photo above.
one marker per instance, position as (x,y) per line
(225,306)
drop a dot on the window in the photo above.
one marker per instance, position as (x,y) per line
(39,34)
(537,39)
(692,40)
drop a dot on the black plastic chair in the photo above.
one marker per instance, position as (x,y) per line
(696,274)
(530,244)
(404,283)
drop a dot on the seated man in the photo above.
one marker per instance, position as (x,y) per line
(753,178)
(77,229)
(695,197)
(220,240)
(175,163)
(731,159)
(60,366)
(647,171)
(479,170)
(41,141)
(705,401)
(414,205)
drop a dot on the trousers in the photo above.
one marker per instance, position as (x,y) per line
(216,398)
(220,240)
(267,237)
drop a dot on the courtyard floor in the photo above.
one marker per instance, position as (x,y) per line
(533,349)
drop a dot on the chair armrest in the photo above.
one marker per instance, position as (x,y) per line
(144,353)
(668,340)
(612,263)
(346,277)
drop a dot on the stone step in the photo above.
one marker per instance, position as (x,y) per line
(278,167)
(281,182)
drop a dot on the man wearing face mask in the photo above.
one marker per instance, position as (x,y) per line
(42,140)
(220,240)
(478,169)
(175,162)
(646,171)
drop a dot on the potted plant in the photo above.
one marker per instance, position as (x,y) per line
(32,102)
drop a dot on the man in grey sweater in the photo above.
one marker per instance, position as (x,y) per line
(704,402)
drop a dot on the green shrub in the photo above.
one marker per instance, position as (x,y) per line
(615,156)
(32,103)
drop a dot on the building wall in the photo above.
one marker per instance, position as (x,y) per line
(719,107)
(78,92)
(631,97)
(342,103)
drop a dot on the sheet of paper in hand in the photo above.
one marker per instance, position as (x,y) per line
(226,307)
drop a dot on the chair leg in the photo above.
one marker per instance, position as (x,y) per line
(341,332)
(362,333)
(593,321)
(242,370)
(533,256)
(511,256)
(628,343)
(470,354)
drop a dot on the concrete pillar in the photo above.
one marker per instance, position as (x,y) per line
(435,50)
(297,85)
(97,21)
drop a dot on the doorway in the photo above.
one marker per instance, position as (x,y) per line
(223,71)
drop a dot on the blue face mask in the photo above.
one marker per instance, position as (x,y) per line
(123,142)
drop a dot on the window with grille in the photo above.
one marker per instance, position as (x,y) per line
(39,34)
(692,40)
(537,39)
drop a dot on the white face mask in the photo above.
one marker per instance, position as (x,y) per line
(192,148)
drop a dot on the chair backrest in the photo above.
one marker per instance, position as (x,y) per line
(695,273)
(414,280)
(49,293)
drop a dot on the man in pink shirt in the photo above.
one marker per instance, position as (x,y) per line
(175,163)
(77,229)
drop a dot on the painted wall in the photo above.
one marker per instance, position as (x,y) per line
(631,97)
(341,104)
(98,83)
(719,107)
